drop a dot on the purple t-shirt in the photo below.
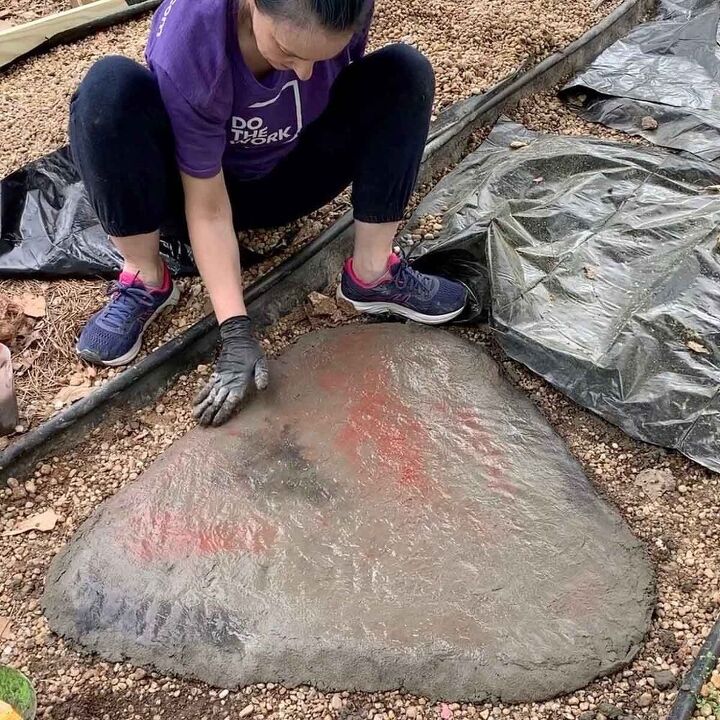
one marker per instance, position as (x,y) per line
(221,115)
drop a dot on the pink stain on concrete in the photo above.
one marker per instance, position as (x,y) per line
(170,535)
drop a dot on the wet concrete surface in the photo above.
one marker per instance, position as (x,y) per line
(391,513)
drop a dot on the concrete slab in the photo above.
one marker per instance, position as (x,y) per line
(391,514)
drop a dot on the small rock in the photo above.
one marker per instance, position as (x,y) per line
(411,711)
(655,482)
(664,679)
(715,680)
(139,674)
(517,145)
(645,700)
(247,711)
(609,711)
(336,702)
(649,123)
(319,305)
(30,487)
(587,715)
(223,694)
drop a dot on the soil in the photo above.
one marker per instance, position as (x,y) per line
(17,12)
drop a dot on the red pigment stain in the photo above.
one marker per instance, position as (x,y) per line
(170,535)
(381,424)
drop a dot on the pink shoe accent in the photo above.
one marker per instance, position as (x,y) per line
(393,260)
(133,280)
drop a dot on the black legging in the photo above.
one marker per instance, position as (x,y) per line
(372,135)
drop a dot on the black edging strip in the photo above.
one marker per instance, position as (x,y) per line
(314,266)
(704,664)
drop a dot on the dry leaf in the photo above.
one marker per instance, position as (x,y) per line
(5,633)
(44,522)
(71,394)
(33,305)
(697,347)
(78,379)
(590,272)
(11,318)
(517,144)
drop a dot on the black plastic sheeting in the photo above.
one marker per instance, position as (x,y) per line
(605,274)
(667,69)
(48,229)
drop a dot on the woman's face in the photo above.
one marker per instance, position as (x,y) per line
(287,46)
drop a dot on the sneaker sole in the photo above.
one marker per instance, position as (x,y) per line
(381,308)
(131,354)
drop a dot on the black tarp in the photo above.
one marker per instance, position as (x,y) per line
(667,69)
(604,271)
(48,229)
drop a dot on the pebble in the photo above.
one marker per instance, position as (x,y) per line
(247,711)
(664,679)
(645,700)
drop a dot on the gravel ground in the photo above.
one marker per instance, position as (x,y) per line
(544,112)
(17,12)
(504,35)
(679,527)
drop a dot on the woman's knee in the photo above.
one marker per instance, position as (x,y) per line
(113,91)
(408,71)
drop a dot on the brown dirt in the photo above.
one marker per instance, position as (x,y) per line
(680,530)
(17,12)
(544,112)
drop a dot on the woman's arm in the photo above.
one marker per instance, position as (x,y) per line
(214,244)
(241,361)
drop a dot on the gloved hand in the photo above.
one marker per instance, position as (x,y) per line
(241,361)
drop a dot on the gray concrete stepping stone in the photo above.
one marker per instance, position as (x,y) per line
(390,514)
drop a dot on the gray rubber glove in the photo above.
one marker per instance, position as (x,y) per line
(241,361)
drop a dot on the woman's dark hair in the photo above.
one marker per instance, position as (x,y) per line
(337,15)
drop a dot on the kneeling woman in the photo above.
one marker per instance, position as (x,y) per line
(253,113)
